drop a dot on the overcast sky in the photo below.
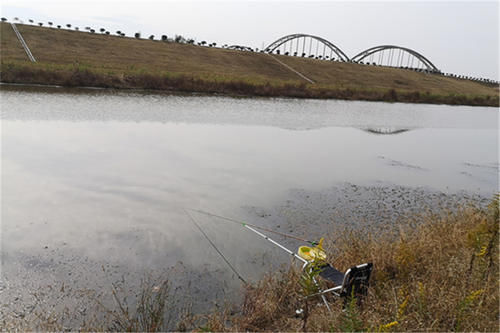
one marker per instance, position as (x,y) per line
(460,37)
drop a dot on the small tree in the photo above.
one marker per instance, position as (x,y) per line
(137,35)
(190,41)
(30,21)
(102,30)
(40,23)
(118,32)
(152,37)
(277,51)
(122,34)
(92,31)
(68,25)
(50,23)
(214,44)
(107,32)
(58,26)
(4,19)
(164,38)
(202,42)
(76,28)
(88,28)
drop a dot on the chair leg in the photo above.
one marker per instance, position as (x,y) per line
(322,296)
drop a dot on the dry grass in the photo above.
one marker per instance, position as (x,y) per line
(119,62)
(82,76)
(438,272)
(439,276)
(349,75)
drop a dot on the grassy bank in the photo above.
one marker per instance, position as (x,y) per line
(83,76)
(441,275)
(437,272)
(73,58)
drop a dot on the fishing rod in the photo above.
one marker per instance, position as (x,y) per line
(251,228)
(246,225)
(216,249)
(313,243)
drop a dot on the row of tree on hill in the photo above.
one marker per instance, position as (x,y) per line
(177,38)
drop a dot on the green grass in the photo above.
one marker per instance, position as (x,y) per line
(76,58)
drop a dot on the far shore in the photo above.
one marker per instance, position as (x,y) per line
(73,76)
(79,59)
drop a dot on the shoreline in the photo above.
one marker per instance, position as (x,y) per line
(302,207)
(83,89)
(34,75)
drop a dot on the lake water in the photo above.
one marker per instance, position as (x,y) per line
(98,181)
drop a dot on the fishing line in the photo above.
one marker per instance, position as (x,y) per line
(215,247)
(253,226)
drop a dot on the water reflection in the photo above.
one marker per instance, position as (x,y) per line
(103,178)
(295,114)
(386,130)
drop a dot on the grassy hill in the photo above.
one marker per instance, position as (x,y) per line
(77,58)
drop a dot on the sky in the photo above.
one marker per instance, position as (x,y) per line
(460,37)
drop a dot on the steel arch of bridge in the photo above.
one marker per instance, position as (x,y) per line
(274,45)
(366,53)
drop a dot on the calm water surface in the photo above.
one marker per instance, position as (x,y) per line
(96,177)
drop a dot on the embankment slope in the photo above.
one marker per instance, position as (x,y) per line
(113,61)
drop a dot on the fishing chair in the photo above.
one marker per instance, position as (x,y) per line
(354,282)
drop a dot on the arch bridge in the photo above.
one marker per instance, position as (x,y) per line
(395,56)
(309,46)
